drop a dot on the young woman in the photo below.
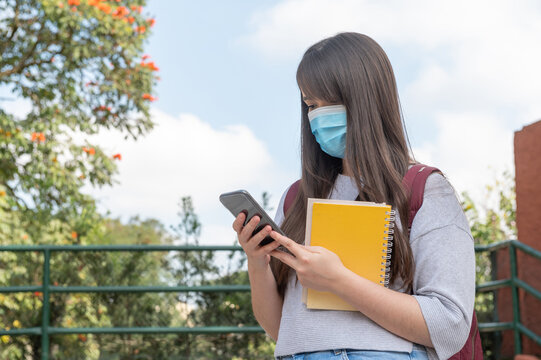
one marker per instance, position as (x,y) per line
(354,146)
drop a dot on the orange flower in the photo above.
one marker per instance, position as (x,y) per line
(93,2)
(140,29)
(117,156)
(139,9)
(90,151)
(145,56)
(25,237)
(151,22)
(60,5)
(40,137)
(131,19)
(104,7)
(73,9)
(74,2)
(37,293)
(55,283)
(152,66)
(149,97)
(103,108)
(74,234)
(82,337)
(133,7)
(120,12)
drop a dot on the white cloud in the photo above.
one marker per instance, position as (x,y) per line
(183,156)
(481,53)
(472,67)
(471,149)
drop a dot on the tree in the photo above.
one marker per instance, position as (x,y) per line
(79,67)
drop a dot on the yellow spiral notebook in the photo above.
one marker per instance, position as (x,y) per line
(359,232)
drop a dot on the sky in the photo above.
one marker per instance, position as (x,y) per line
(228,110)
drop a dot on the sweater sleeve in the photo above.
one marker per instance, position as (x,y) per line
(444,277)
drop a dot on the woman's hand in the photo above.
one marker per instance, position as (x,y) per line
(257,255)
(316,267)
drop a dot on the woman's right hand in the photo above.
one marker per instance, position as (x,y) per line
(257,255)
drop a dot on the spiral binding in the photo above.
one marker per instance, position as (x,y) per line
(387,248)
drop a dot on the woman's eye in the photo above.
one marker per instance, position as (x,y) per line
(311,107)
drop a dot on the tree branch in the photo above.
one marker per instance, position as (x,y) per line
(14,28)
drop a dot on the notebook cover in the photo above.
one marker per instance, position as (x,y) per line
(355,231)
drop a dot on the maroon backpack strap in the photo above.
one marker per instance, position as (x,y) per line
(415,181)
(290,196)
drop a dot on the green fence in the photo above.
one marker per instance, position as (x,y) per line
(515,283)
(46,288)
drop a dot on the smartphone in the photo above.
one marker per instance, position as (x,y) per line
(241,201)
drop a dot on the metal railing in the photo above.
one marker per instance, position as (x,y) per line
(515,283)
(47,289)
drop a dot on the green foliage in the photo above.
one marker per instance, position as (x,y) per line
(215,309)
(77,65)
(490,222)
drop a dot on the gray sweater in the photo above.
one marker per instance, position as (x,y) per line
(443,285)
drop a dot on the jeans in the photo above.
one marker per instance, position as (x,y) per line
(418,353)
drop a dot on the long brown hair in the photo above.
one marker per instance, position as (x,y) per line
(353,70)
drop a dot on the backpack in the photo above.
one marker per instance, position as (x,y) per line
(415,180)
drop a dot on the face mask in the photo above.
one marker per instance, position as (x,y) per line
(328,124)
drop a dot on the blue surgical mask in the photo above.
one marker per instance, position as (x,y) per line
(328,124)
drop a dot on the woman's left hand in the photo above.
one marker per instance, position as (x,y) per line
(316,267)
